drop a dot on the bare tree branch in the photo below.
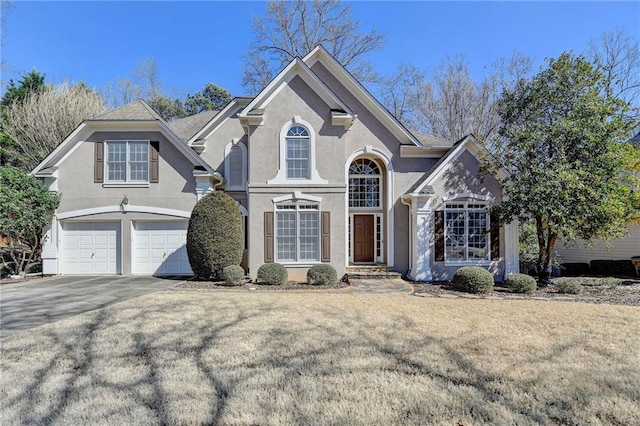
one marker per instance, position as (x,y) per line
(294,28)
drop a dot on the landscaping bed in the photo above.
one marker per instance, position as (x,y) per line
(290,285)
(610,290)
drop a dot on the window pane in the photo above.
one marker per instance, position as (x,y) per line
(116,161)
(455,240)
(286,235)
(309,236)
(477,235)
(138,161)
(364,192)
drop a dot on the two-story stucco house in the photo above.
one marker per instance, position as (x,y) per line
(322,172)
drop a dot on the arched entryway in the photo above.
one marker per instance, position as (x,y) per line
(367,206)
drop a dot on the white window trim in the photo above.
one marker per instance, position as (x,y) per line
(227,164)
(126,183)
(297,202)
(477,199)
(281,176)
(378,176)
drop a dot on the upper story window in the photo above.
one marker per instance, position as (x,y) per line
(297,164)
(466,232)
(364,183)
(235,166)
(127,161)
(297,158)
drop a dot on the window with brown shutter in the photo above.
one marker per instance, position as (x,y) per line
(98,163)
(268,237)
(326,237)
(439,236)
(154,155)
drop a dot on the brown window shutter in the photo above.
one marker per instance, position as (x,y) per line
(495,236)
(98,163)
(154,154)
(439,236)
(268,237)
(326,237)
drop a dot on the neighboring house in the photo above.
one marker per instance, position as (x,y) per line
(321,171)
(616,249)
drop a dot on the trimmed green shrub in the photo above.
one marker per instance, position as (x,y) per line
(322,275)
(214,237)
(568,286)
(233,275)
(272,274)
(473,279)
(613,267)
(575,269)
(521,283)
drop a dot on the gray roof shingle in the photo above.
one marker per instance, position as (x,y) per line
(186,127)
(138,110)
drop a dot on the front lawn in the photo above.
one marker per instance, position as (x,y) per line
(201,357)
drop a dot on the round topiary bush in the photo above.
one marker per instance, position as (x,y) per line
(233,275)
(521,283)
(568,286)
(272,274)
(214,237)
(322,275)
(473,279)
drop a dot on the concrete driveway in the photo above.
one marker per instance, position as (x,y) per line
(35,302)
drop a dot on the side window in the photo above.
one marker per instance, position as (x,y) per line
(235,166)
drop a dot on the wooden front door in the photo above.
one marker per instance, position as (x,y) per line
(363,238)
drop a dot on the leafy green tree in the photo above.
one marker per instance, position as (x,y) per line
(210,98)
(30,82)
(16,92)
(168,108)
(26,208)
(562,142)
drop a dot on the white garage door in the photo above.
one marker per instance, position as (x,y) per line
(90,248)
(160,248)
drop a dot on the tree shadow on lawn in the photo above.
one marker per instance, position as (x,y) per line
(247,363)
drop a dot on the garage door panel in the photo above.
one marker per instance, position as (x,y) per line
(90,248)
(160,248)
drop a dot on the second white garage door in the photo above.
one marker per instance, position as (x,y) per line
(160,248)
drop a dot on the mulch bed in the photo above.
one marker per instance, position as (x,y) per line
(291,285)
(614,291)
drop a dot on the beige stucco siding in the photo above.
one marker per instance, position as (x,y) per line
(263,202)
(216,143)
(464,175)
(175,190)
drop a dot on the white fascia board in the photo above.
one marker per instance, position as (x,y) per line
(295,68)
(61,149)
(215,122)
(320,54)
(410,151)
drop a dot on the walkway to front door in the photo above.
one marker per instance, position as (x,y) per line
(363,238)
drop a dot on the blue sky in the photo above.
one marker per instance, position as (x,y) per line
(198,42)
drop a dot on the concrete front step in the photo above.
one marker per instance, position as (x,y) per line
(364,272)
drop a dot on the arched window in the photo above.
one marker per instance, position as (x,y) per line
(297,155)
(297,164)
(235,166)
(364,183)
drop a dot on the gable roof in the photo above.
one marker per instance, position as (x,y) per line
(186,127)
(209,127)
(138,110)
(320,54)
(297,67)
(136,116)
(432,141)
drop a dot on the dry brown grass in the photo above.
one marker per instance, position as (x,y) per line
(197,357)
